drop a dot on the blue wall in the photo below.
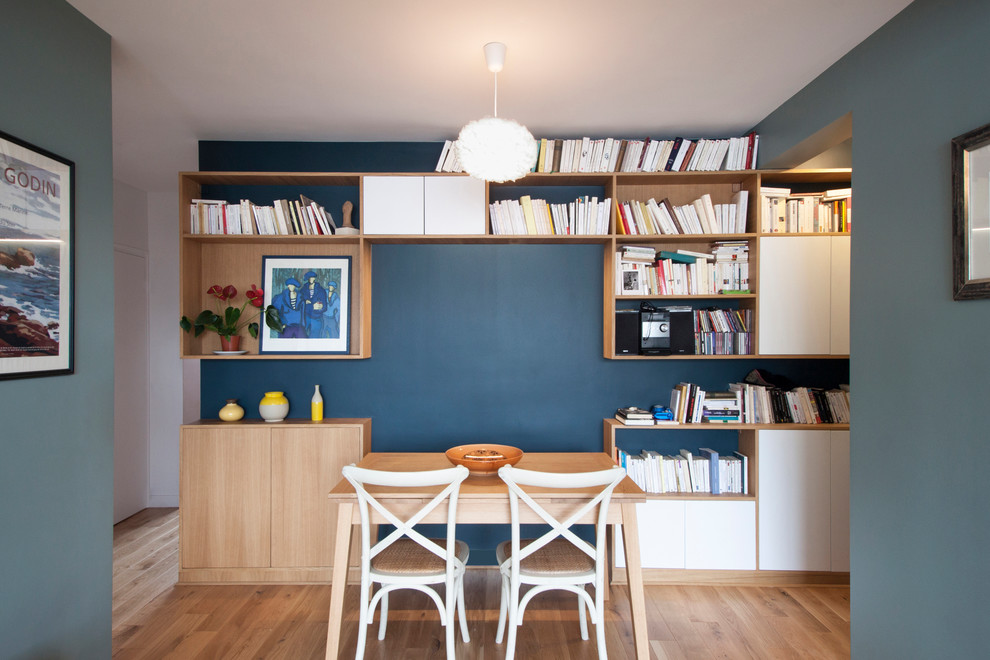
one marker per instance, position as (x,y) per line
(56,473)
(470,343)
(920,529)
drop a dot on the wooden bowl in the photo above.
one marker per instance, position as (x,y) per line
(483,460)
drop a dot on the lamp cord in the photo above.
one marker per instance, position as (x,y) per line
(496,94)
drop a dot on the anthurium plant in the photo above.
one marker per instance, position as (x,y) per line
(228,322)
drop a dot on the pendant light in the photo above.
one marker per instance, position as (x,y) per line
(495,149)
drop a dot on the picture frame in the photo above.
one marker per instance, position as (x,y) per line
(313,297)
(37,217)
(971,214)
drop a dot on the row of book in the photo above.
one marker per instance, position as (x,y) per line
(632,155)
(585,215)
(785,212)
(762,404)
(701,216)
(647,155)
(302,217)
(644,270)
(751,404)
(703,472)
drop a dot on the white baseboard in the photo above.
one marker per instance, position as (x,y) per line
(163,501)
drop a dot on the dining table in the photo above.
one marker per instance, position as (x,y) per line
(485,500)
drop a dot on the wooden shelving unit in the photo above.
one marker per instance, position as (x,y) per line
(236,259)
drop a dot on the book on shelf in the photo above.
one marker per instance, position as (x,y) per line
(714,478)
(448,145)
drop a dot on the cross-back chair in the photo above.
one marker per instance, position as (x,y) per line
(558,559)
(405,559)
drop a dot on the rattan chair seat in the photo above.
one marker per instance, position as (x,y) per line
(406,557)
(557,558)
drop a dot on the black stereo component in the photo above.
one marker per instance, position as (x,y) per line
(627,332)
(654,330)
(681,331)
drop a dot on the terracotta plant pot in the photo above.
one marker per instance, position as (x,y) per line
(230,343)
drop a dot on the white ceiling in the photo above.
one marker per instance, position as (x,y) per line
(384,70)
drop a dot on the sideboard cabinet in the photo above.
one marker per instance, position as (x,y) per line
(253,501)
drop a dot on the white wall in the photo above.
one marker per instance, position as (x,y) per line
(131,466)
(174,382)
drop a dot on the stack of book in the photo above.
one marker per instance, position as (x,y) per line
(686,472)
(633,416)
(585,215)
(302,217)
(722,407)
(784,211)
(731,266)
(683,272)
(702,216)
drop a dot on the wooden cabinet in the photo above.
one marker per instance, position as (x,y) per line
(225,497)
(253,501)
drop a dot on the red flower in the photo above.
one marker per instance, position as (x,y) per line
(255,295)
(224,293)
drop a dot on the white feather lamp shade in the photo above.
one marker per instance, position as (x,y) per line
(497,150)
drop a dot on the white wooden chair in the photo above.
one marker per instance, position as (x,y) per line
(405,559)
(559,559)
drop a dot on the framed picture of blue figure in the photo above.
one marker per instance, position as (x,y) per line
(312,296)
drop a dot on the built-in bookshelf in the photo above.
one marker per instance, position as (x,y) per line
(751,309)
(621,211)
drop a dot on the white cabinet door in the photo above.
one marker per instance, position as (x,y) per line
(794,298)
(454,205)
(841,246)
(392,205)
(840,500)
(795,500)
(720,535)
(661,535)
(693,534)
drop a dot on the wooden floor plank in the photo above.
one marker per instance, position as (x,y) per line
(153,618)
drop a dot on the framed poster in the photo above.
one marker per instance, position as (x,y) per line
(313,299)
(971,215)
(36,225)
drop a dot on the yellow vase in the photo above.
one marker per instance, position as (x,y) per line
(231,412)
(274,407)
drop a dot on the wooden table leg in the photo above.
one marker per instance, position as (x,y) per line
(634,573)
(338,584)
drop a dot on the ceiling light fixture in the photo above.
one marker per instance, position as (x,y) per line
(494,149)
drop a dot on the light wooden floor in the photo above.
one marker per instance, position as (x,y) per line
(153,618)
